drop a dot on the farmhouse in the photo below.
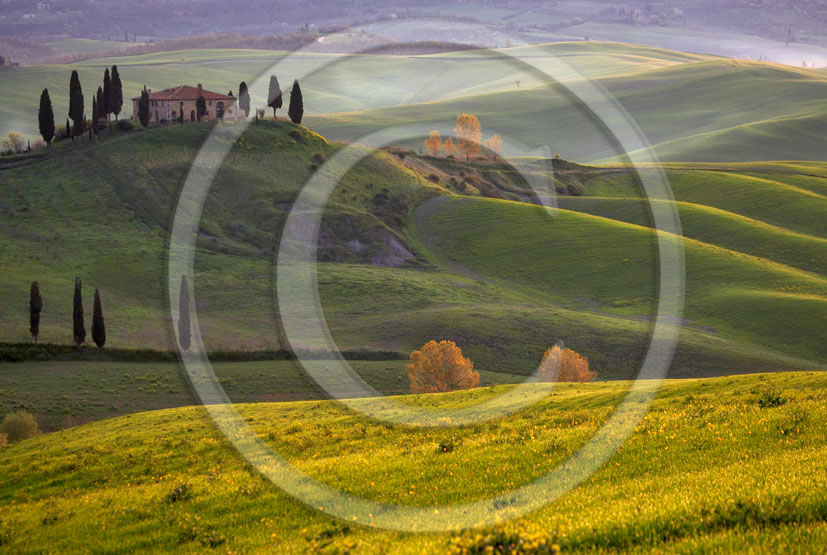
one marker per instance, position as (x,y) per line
(168,104)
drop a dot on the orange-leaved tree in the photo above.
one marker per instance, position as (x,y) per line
(494,146)
(439,367)
(433,142)
(468,134)
(564,365)
(448,146)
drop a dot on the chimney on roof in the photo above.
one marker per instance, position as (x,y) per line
(200,90)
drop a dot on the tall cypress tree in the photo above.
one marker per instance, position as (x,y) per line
(116,96)
(106,106)
(94,115)
(78,326)
(46,118)
(244,98)
(143,108)
(76,103)
(184,315)
(296,110)
(35,306)
(101,105)
(98,327)
(68,129)
(274,100)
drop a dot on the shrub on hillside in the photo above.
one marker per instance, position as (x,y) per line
(19,426)
(125,125)
(440,367)
(564,365)
(576,189)
(770,398)
(3,440)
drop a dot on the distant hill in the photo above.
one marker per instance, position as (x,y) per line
(691,107)
(710,109)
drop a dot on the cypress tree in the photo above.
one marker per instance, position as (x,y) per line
(46,118)
(296,110)
(94,115)
(106,105)
(184,315)
(143,108)
(200,107)
(68,129)
(116,96)
(244,98)
(79,328)
(98,327)
(102,104)
(274,100)
(76,103)
(35,307)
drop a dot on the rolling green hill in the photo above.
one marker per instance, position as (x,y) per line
(498,277)
(714,110)
(347,83)
(691,107)
(712,467)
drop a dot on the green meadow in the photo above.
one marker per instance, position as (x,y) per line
(61,394)
(733,464)
(487,269)
(729,457)
(691,107)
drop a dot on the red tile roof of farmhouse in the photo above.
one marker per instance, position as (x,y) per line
(185,92)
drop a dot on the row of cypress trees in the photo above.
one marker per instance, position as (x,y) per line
(78,326)
(296,109)
(108,101)
(98,325)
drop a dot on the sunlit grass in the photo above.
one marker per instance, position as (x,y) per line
(707,466)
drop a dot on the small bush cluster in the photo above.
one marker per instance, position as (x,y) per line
(3,440)
(19,426)
(770,398)
(180,493)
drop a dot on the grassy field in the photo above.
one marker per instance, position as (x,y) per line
(76,45)
(495,276)
(713,466)
(64,394)
(703,41)
(729,110)
(712,110)
(341,86)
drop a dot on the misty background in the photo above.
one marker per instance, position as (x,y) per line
(786,31)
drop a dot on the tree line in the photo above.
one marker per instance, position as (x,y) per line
(78,326)
(98,324)
(108,100)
